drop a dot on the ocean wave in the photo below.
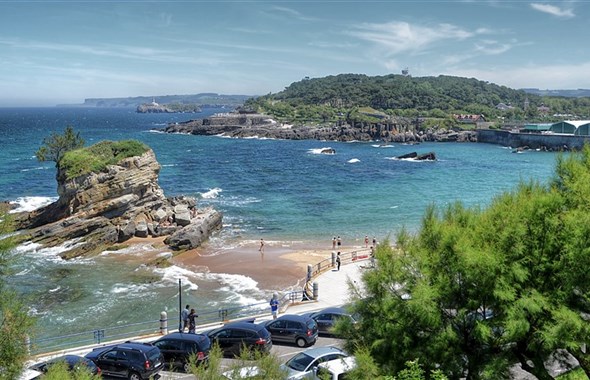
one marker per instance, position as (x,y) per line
(169,165)
(383,146)
(37,168)
(172,274)
(31,203)
(353,160)
(154,131)
(50,253)
(212,193)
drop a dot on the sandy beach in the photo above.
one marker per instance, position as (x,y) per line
(277,268)
(280,266)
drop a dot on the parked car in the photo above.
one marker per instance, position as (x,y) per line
(326,318)
(135,361)
(292,328)
(177,348)
(334,369)
(72,361)
(231,337)
(302,365)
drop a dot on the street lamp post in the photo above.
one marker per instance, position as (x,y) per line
(179,305)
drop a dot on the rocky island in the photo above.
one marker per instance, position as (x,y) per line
(107,196)
(238,124)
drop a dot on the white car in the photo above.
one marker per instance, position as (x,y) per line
(302,365)
(335,369)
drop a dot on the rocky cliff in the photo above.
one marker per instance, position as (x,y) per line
(100,209)
(263,126)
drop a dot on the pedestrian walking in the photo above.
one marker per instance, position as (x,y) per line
(338,261)
(261,249)
(184,314)
(192,321)
(274,305)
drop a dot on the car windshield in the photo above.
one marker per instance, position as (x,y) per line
(299,362)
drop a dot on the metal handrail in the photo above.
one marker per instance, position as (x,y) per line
(49,344)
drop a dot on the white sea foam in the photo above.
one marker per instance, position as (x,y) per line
(382,146)
(169,165)
(51,253)
(54,289)
(31,203)
(407,159)
(353,160)
(37,168)
(318,150)
(172,274)
(212,193)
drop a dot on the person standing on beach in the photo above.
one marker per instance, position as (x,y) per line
(261,249)
(184,315)
(366,241)
(274,305)
(374,242)
(338,242)
(338,261)
(334,242)
(192,323)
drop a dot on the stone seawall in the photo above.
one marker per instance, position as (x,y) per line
(533,141)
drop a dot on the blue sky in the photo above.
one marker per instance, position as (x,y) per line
(55,52)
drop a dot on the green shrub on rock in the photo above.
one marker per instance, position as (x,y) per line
(97,157)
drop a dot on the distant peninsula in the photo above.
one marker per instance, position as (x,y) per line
(201,100)
(155,107)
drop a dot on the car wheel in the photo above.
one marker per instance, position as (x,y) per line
(134,376)
(301,342)
(186,367)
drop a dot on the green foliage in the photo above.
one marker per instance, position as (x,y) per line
(59,371)
(475,291)
(15,324)
(324,99)
(268,365)
(55,146)
(97,157)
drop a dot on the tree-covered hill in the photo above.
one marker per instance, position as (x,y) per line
(441,96)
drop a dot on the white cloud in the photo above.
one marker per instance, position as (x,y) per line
(553,10)
(565,76)
(402,37)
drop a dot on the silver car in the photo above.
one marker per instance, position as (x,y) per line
(301,366)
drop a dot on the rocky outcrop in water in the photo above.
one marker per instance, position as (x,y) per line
(99,209)
(263,126)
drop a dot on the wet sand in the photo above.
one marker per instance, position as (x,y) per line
(278,268)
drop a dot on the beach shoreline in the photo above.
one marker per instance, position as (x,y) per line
(281,266)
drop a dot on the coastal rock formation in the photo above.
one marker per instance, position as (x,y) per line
(99,209)
(430,156)
(241,125)
(153,108)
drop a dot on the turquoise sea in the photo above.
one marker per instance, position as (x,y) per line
(282,191)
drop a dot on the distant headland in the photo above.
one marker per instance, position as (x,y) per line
(200,100)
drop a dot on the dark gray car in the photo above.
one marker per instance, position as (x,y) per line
(326,318)
(292,328)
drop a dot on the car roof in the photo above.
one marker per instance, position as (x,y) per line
(243,325)
(333,310)
(185,336)
(317,352)
(340,365)
(292,317)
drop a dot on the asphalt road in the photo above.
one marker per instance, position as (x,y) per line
(283,351)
